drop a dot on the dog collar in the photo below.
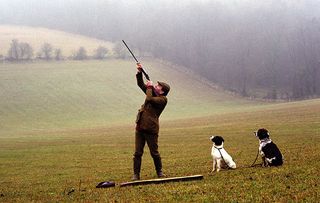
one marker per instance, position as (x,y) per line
(266,140)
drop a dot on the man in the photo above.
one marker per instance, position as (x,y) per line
(147,123)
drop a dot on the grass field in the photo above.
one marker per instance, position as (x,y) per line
(67,126)
(48,166)
(48,96)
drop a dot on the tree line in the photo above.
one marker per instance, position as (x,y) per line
(23,51)
(269,50)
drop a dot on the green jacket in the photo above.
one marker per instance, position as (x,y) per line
(148,115)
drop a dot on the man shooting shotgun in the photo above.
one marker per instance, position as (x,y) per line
(147,122)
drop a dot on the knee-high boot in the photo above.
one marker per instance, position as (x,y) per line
(158,165)
(136,164)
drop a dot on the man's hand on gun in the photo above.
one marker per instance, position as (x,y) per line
(149,82)
(139,67)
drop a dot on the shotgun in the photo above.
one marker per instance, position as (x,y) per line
(144,73)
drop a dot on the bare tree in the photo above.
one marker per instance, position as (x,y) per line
(26,51)
(81,54)
(101,52)
(14,52)
(305,60)
(19,51)
(46,51)
(58,54)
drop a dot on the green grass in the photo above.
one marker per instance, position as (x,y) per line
(46,166)
(64,127)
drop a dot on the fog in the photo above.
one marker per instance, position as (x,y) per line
(257,48)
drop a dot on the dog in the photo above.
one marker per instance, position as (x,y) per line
(270,153)
(221,159)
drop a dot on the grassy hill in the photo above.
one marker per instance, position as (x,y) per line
(57,95)
(65,126)
(65,165)
(70,94)
(37,36)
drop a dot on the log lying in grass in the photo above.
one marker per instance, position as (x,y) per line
(162,180)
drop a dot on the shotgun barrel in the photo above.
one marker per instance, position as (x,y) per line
(144,73)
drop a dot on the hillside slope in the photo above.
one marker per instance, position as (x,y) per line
(42,96)
(36,37)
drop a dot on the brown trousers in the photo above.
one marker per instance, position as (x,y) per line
(152,141)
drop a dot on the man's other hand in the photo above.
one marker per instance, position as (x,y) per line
(149,83)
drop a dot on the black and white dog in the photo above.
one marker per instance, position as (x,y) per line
(221,159)
(270,153)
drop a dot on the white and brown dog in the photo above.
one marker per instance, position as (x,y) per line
(270,153)
(221,159)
